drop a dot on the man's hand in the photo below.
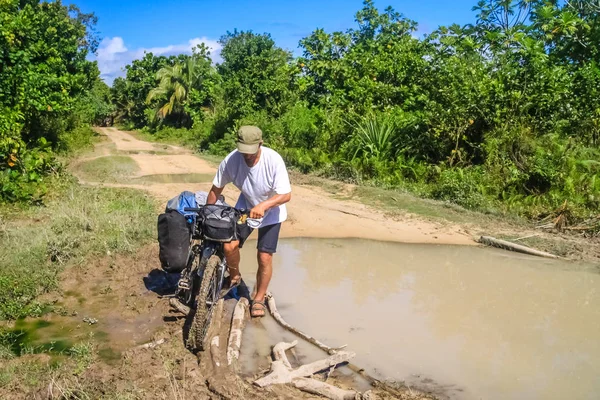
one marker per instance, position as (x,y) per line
(258,211)
(213,195)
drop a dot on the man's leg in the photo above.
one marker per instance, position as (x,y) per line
(263,275)
(232,256)
(268,237)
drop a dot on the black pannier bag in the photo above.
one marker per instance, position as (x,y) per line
(219,223)
(174,241)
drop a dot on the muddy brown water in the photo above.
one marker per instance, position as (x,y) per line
(464,322)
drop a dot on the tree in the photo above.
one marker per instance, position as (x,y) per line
(179,84)
(43,74)
(256,74)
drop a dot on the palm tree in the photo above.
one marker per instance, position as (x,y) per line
(174,87)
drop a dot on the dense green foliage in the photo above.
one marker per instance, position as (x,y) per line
(501,114)
(48,90)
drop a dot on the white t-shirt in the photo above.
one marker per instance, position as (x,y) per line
(257,184)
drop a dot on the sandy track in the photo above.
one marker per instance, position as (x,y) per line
(312,212)
(126,142)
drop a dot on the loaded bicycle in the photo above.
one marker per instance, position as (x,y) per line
(201,284)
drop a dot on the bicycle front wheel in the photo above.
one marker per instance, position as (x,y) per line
(205,303)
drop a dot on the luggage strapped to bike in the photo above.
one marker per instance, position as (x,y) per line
(218,223)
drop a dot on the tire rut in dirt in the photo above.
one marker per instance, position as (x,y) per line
(202,316)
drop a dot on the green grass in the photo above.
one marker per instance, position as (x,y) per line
(78,140)
(76,223)
(170,136)
(65,373)
(15,375)
(107,169)
(400,202)
(212,159)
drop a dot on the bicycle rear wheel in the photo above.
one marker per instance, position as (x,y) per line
(205,303)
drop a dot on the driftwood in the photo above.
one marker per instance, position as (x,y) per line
(310,339)
(215,341)
(154,344)
(151,345)
(322,346)
(237,326)
(314,386)
(214,351)
(279,352)
(330,350)
(282,373)
(503,244)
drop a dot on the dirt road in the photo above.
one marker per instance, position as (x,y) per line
(124,294)
(312,211)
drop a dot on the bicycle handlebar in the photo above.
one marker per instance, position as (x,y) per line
(198,209)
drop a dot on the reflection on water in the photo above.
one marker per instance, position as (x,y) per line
(485,323)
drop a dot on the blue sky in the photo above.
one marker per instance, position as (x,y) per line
(130,27)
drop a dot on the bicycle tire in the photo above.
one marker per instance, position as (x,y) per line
(203,314)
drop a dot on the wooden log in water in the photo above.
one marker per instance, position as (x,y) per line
(237,326)
(503,244)
(282,373)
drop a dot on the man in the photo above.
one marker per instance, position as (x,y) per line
(260,174)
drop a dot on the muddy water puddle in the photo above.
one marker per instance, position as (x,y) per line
(84,320)
(465,322)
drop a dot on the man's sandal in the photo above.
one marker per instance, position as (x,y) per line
(255,312)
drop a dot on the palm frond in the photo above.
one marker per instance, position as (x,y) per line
(155,93)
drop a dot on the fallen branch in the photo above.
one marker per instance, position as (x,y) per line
(214,351)
(324,389)
(154,344)
(527,237)
(310,339)
(330,350)
(151,345)
(237,325)
(282,373)
(279,352)
(503,244)
(216,341)
(322,346)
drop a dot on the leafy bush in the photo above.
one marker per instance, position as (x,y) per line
(461,186)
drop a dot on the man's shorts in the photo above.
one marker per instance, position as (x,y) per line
(268,237)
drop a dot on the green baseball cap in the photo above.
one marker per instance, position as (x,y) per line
(249,139)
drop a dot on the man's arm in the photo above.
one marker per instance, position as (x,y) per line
(260,209)
(214,194)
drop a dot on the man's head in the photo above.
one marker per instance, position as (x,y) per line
(249,140)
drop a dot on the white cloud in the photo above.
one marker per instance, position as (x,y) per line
(113,55)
